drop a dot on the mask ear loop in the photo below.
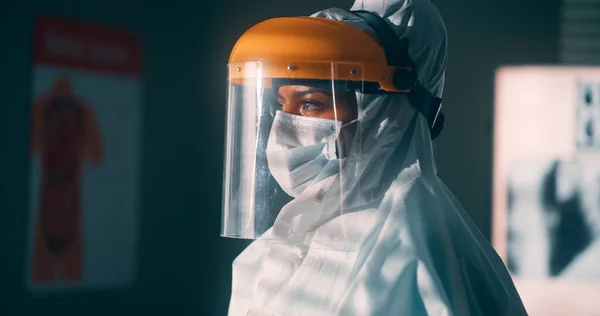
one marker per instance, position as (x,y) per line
(337,143)
(349,123)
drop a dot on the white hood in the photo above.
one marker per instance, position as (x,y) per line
(417,20)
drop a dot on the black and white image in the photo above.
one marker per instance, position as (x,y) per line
(554,218)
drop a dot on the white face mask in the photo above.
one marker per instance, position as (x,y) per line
(301,152)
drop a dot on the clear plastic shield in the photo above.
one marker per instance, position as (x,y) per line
(289,139)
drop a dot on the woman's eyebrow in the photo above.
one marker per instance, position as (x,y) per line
(303,92)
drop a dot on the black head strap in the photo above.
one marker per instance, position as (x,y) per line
(396,53)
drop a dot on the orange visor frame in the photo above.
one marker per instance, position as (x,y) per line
(311,48)
(384,75)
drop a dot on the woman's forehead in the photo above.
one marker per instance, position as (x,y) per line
(301,90)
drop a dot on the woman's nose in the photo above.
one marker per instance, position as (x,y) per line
(291,109)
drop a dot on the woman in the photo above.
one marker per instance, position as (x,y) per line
(371,229)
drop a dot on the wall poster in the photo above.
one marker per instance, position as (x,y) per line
(85,156)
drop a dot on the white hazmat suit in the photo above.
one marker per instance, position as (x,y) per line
(410,249)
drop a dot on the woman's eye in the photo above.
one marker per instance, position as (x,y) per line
(311,106)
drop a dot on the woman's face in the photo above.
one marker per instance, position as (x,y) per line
(320,103)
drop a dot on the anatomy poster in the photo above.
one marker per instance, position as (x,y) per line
(547,186)
(84,149)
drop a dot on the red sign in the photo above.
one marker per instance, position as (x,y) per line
(80,45)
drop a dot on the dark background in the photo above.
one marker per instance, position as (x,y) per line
(184,266)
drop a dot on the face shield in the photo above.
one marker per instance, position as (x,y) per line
(289,137)
(308,138)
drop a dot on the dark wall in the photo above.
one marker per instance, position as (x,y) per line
(484,35)
(184,267)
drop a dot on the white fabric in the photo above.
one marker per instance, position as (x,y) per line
(301,154)
(408,247)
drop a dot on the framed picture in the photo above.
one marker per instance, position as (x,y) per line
(546,199)
(84,147)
